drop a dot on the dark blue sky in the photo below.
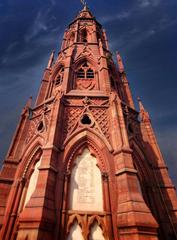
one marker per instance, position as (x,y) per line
(143,31)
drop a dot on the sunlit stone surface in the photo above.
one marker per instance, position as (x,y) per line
(86,185)
(32,182)
(96,232)
(75,232)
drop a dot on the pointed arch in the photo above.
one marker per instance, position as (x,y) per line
(101,159)
(59,77)
(75,232)
(74,217)
(83,35)
(85,57)
(32,152)
(96,144)
(70,38)
(37,139)
(85,74)
(85,133)
(96,229)
(58,66)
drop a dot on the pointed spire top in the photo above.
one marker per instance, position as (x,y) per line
(141,107)
(120,63)
(29,102)
(84,3)
(27,105)
(85,12)
(51,59)
(144,115)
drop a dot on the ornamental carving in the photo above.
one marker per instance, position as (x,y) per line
(91,101)
(38,125)
(88,113)
(72,115)
(85,84)
(101,116)
(85,77)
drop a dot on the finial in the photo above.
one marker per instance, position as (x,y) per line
(84,3)
(29,102)
(141,107)
(120,62)
(144,115)
(51,59)
(27,105)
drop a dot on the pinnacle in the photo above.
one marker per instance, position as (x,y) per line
(143,113)
(85,13)
(141,107)
(120,62)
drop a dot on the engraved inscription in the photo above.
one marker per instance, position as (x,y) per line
(86,185)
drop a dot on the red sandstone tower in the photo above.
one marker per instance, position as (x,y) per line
(83,163)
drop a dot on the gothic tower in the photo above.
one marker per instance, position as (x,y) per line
(83,163)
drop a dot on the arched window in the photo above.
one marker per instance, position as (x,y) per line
(83,35)
(70,39)
(96,232)
(90,73)
(72,36)
(81,73)
(75,232)
(32,182)
(59,78)
(85,72)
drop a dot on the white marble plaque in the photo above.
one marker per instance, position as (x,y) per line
(32,182)
(86,184)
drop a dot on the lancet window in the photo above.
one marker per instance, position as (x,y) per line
(83,35)
(96,232)
(70,40)
(85,72)
(59,78)
(75,232)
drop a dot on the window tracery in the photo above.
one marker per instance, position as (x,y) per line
(85,77)
(85,71)
(59,78)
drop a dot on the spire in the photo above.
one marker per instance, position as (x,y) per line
(27,105)
(127,91)
(141,107)
(85,12)
(120,63)
(51,59)
(84,3)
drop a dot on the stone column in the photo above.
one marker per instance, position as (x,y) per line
(134,219)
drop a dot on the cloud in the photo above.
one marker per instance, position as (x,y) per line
(148,3)
(120,16)
(37,27)
(12,46)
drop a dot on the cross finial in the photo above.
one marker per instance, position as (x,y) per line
(84,3)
